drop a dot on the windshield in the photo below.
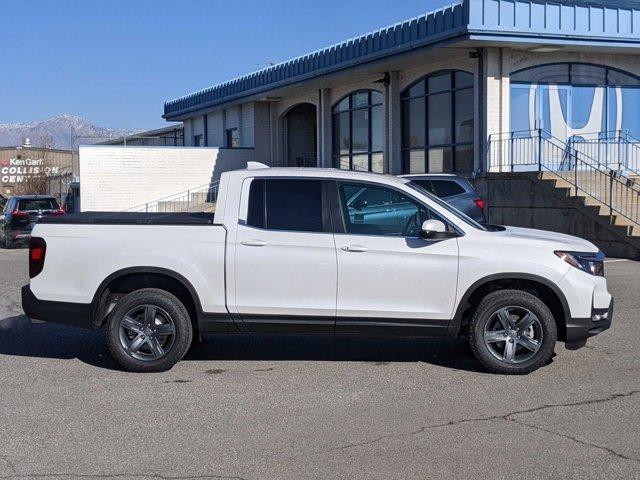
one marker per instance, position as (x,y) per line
(447,206)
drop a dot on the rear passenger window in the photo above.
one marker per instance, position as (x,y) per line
(426,184)
(447,188)
(283,204)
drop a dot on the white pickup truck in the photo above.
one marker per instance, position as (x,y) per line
(316,251)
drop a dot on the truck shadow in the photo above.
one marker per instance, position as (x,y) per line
(19,336)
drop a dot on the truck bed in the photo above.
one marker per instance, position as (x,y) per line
(131,218)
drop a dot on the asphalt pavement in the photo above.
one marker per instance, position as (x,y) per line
(286,407)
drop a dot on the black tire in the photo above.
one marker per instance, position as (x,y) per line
(486,314)
(166,309)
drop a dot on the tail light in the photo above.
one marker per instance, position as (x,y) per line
(60,211)
(19,214)
(479,203)
(37,251)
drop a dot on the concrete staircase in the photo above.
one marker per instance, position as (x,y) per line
(196,202)
(616,201)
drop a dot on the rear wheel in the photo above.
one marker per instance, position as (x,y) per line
(512,332)
(149,330)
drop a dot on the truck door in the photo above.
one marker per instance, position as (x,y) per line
(285,266)
(390,280)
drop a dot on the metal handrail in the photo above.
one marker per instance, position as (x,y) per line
(181,201)
(620,145)
(543,152)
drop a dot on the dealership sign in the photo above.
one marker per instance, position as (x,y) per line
(18,170)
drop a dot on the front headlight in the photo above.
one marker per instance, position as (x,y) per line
(589,262)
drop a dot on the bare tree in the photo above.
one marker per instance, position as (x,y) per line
(32,185)
(45,140)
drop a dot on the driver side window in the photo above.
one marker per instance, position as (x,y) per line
(375,210)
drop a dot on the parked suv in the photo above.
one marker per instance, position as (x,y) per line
(454,190)
(21,213)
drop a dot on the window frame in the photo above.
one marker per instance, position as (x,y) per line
(370,152)
(243,215)
(607,86)
(453,145)
(338,208)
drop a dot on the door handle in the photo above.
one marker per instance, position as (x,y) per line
(254,243)
(355,248)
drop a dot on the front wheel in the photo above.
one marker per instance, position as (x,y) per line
(149,330)
(512,332)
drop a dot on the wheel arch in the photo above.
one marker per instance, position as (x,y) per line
(127,280)
(544,288)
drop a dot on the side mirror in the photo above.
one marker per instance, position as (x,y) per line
(434,230)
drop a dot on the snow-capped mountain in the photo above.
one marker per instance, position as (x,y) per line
(58,132)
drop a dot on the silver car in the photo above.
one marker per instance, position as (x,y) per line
(454,190)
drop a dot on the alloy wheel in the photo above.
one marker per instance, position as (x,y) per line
(147,332)
(513,334)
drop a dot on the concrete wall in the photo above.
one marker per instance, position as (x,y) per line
(115,178)
(522,200)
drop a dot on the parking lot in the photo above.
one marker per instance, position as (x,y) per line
(315,407)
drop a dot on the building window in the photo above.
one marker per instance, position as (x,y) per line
(358,132)
(568,100)
(197,141)
(232,137)
(437,124)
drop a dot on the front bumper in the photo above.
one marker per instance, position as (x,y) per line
(72,314)
(580,329)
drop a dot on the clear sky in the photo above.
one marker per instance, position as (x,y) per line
(116,62)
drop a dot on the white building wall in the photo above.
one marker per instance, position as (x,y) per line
(247,122)
(188,132)
(261,129)
(115,178)
(215,129)
(198,128)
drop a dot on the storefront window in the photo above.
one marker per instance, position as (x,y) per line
(358,132)
(572,100)
(437,124)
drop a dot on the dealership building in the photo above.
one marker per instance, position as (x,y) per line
(425,95)
(537,101)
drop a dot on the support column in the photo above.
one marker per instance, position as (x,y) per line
(275,132)
(324,133)
(496,106)
(393,126)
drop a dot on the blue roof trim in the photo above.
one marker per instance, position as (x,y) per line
(434,26)
(500,20)
(579,20)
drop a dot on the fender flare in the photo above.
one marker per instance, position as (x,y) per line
(456,321)
(97,297)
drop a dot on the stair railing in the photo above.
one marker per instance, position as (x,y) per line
(197,199)
(618,149)
(536,150)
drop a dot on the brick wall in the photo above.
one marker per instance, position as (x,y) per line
(114,178)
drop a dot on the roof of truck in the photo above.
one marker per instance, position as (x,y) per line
(318,173)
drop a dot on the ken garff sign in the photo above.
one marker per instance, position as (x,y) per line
(18,170)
